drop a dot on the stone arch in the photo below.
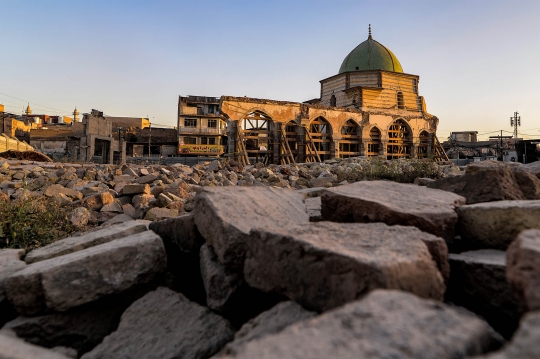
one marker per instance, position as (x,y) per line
(254,136)
(424,142)
(320,133)
(400,140)
(351,138)
(374,145)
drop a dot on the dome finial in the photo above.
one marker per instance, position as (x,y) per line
(369,37)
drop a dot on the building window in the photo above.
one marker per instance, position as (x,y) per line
(211,140)
(419,104)
(200,110)
(204,140)
(190,140)
(400,103)
(333,100)
(212,123)
(415,85)
(190,122)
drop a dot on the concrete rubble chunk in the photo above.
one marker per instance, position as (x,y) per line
(132,189)
(523,269)
(478,283)
(90,239)
(432,211)
(224,216)
(164,324)
(269,322)
(87,275)
(59,189)
(180,231)
(157,213)
(146,179)
(95,202)
(14,348)
(488,181)
(497,224)
(385,324)
(525,343)
(323,265)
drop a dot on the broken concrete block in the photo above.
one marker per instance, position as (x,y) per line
(59,189)
(164,324)
(156,213)
(132,189)
(95,202)
(478,283)
(115,207)
(385,324)
(503,182)
(224,216)
(146,179)
(496,224)
(269,322)
(87,240)
(432,211)
(14,348)
(84,276)
(523,269)
(312,192)
(323,265)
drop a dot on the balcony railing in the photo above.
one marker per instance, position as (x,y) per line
(202,130)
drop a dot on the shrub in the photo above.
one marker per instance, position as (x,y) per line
(31,222)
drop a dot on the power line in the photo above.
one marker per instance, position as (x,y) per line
(37,104)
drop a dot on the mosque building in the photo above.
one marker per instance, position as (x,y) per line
(371,107)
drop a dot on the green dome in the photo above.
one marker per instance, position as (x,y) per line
(370,55)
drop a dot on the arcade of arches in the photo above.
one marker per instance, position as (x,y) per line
(285,132)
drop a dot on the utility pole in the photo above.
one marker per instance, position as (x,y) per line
(515,121)
(502,147)
(149,141)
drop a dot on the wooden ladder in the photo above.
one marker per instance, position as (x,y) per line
(311,150)
(288,157)
(439,154)
(243,157)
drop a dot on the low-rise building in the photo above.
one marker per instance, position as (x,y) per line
(201,130)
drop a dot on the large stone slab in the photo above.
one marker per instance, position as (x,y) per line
(523,268)
(323,265)
(497,224)
(525,343)
(478,283)
(269,322)
(386,324)
(81,277)
(14,348)
(432,211)
(87,240)
(180,231)
(164,324)
(224,216)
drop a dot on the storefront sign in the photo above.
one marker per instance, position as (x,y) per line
(213,150)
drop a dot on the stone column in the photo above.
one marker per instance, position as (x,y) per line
(382,149)
(111,152)
(335,148)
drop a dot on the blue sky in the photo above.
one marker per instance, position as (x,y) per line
(478,61)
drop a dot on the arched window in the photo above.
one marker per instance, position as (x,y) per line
(400,103)
(333,101)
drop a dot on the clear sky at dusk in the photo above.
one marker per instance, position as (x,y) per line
(478,61)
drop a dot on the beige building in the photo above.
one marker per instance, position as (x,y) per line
(370,108)
(200,127)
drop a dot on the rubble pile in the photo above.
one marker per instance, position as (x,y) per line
(371,269)
(112,194)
